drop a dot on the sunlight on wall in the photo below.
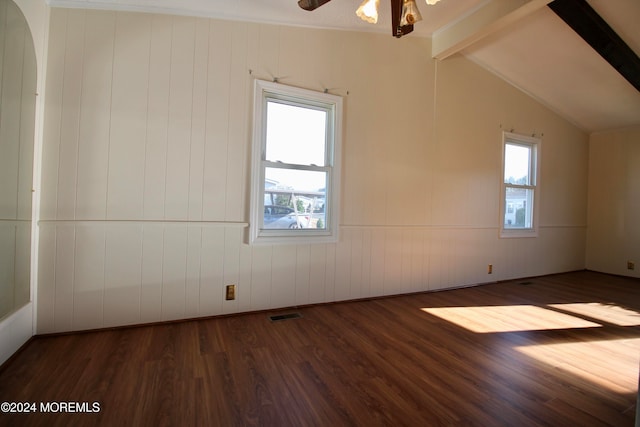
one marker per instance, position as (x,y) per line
(509,318)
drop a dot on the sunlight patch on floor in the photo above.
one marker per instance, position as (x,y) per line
(509,318)
(609,313)
(600,362)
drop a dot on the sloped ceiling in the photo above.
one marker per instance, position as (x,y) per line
(522,41)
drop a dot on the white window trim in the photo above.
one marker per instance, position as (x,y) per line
(536,143)
(257,235)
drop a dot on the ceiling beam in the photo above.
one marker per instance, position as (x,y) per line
(490,17)
(594,30)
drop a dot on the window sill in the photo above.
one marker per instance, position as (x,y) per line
(294,239)
(510,233)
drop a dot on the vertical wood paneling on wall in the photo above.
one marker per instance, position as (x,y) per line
(367,261)
(302,274)
(480,250)
(571,258)
(217,121)
(123,274)
(128,116)
(180,112)
(360,197)
(70,117)
(376,183)
(330,273)
(16,153)
(243,290)
(392,261)
(53,118)
(157,123)
(261,277)
(426,258)
(198,119)
(152,272)
(211,271)
(610,156)
(231,266)
(95,103)
(406,242)
(437,246)
(404,252)
(292,69)
(3,27)
(163,112)
(266,50)
(317,273)
(17,279)
(10,132)
(46,290)
(378,240)
(342,285)
(193,265)
(513,260)
(239,125)
(283,276)
(22,294)
(63,283)
(473,268)
(454,260)
(439,257)
(414,259)
(451,263)
(7,265)
(174,273)
(355,261)
(564,177)
(89,277)
(26,129)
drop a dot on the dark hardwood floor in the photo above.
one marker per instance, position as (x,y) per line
(561,350)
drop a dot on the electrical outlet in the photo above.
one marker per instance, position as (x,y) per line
(490,269)
(230,293)
(631,265)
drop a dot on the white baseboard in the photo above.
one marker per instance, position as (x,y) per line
(15,330)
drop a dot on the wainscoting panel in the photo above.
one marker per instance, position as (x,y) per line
(102,274)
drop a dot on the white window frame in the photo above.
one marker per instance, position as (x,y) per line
(535,144)
(263,92)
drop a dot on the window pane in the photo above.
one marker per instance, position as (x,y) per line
(517,161)
(519,212)
(294,199)
(295,135)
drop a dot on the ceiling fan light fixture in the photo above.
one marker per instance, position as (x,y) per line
(368,11)
(410,13)
(432,2)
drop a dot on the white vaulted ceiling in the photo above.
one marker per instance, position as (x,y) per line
(523,42)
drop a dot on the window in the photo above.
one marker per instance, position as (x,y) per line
(518,208)
(296,165)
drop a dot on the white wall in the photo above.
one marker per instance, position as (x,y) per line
(145,171)
(17,108)
(18,327)
(613,236)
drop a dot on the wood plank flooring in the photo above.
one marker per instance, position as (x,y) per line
(561,350)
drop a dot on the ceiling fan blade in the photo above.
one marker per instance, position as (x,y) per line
(398,30)
(311,4)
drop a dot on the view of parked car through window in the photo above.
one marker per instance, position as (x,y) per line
(295,185)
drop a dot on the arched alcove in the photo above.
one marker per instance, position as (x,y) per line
(18,81)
